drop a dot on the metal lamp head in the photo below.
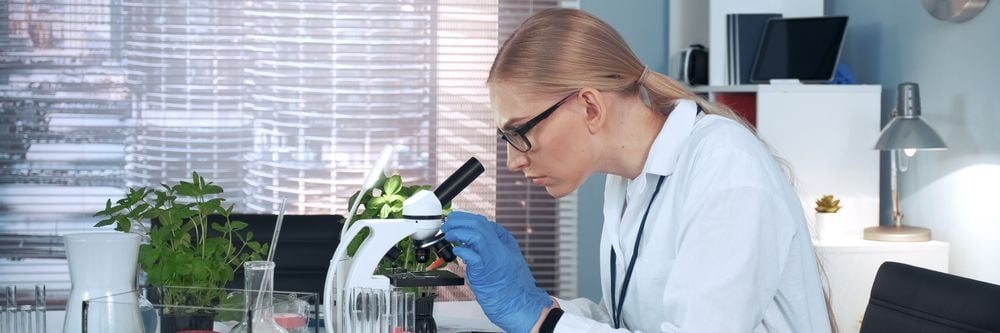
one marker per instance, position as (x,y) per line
(907,130)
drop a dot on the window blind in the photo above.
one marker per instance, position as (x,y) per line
(269,99)
(544,226)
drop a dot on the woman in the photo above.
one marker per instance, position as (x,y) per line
(702,230)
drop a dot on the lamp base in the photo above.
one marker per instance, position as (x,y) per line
(897,234)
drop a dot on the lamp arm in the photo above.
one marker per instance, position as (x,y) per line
(897,210)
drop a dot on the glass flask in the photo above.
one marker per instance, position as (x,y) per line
(259,282)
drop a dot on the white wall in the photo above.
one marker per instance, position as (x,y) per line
(955,193)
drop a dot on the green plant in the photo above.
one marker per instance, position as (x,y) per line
(385,201)
(181,251)
(827,204)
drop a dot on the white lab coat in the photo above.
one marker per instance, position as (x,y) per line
(725,247)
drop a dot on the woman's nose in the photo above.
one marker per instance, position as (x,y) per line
(516,160)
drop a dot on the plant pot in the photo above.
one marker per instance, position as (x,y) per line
(177,323)
(829,226)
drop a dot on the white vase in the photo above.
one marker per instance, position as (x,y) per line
(103,264)
(829,226)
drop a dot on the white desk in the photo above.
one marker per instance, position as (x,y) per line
(850,266)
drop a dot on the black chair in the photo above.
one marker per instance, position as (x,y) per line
(911,299)
(305,246)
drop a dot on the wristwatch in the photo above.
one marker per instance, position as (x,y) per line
(551,319)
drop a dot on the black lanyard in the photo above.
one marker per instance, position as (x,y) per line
(616,307)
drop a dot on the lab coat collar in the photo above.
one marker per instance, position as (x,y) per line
(662,157)
(661,160)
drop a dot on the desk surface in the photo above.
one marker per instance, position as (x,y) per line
(848,244)
(462,316)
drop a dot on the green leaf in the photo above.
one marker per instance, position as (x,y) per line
(380,183)
(377,202)
(124,224)
(218,227)
(138,211)
(393,184)
(186,189)
(255,246)
(105,222)
(105,211)
(384,213)
(350,202)
(357,241)
(396,198)
(238,225)
(211,189)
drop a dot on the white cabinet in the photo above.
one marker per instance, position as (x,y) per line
(826,134)
(850,265)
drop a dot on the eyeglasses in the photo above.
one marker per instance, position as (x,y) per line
(516,136)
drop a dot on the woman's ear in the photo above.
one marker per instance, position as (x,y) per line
(596,106)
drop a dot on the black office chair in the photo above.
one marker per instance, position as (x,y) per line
(305,246)
(911,299)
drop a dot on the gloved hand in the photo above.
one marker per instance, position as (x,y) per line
(496,271)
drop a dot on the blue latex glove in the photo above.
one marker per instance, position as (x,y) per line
(496,271)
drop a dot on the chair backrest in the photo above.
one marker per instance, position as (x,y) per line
(305,247)
(911,299)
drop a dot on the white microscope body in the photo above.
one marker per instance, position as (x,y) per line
(422,220)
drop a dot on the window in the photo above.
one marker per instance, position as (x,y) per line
(269,99)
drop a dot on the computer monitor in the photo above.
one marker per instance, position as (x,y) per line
(805,48)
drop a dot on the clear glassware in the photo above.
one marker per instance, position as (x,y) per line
(291,313)
(150,319)
(259,282)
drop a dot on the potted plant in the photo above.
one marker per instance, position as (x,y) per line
(182,250)
(828,223)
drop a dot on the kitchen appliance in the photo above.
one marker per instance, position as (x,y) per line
(690,66)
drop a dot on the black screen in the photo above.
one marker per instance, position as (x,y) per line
(799,48)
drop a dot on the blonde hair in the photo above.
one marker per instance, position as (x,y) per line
(559,50)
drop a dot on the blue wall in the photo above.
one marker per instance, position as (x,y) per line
(957,65)
(643,24)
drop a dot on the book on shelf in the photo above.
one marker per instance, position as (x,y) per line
(743,33)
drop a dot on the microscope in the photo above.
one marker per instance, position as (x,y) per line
(422,220)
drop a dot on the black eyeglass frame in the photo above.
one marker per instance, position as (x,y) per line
(521,132)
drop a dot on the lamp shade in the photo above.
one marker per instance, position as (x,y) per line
(907,130)
(909,133)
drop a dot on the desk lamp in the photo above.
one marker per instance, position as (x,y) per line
(909,133)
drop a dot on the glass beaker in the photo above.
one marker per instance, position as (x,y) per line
(259,285)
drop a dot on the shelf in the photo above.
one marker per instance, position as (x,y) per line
(789,87)
(746,88)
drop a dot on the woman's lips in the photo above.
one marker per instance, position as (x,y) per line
(537,180)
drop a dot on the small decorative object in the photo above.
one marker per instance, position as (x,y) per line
(102,264)
(828,224)
(906,133)
(181,251)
